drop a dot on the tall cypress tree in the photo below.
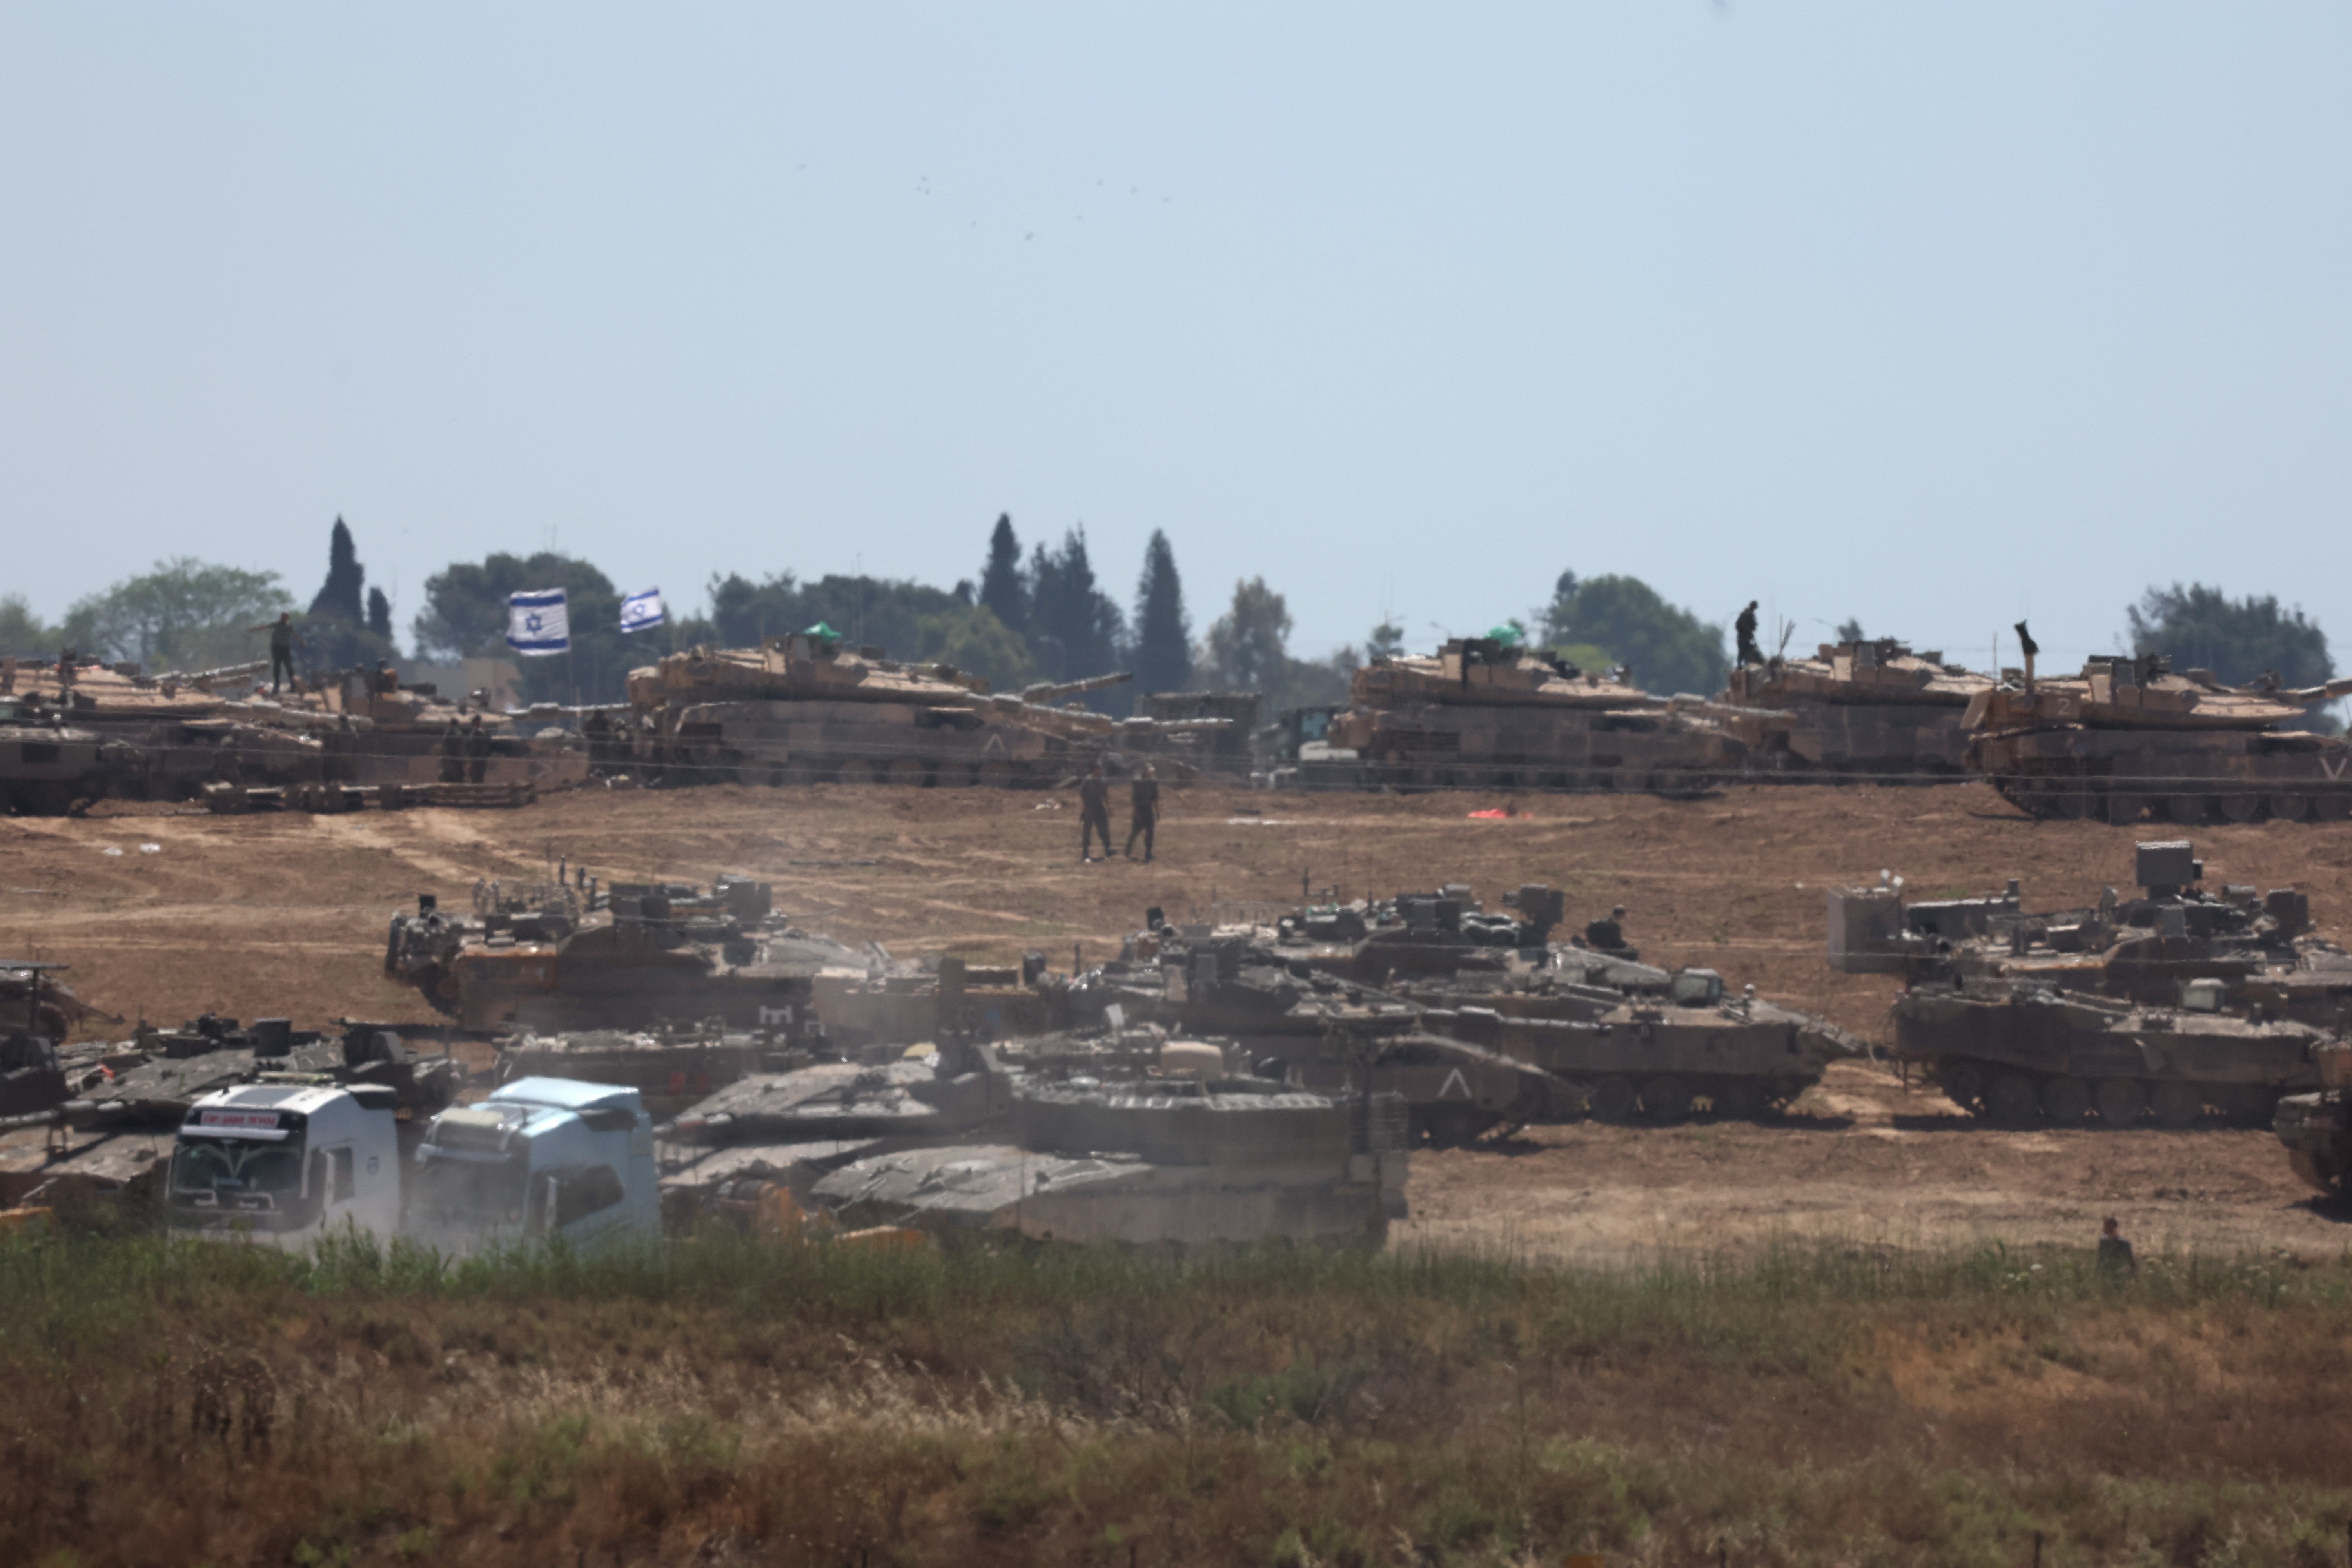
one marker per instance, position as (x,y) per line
(378,614)
(339,596)
(1003,589)
(1163,633)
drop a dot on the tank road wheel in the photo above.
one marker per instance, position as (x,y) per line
(1740,1100)
(2066,1101)
(2013,1101)
(2177,1104)
(2125,807)
(2240,805)
(2074,800)
(1667,1099)
(857,771)
(955,775)
(1613,1098)
(2121,1101)
(2331,806)
(2291,807)
(906,771)
(2187,810)
(800,770)
(996,773)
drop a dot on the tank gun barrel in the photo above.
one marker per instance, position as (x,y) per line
(2339,687)
(1053,691)
(226,672)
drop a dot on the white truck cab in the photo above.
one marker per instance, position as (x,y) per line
(541,1158)
(287,1164)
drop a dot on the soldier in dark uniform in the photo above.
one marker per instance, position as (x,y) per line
(1144,807)
(453,754)
(1607,935)
(477,750)
(1094,814)
(2114,1252)
(1744,628)
(281,649)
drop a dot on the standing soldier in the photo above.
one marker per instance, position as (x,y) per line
(281,649)
(453,754)
(1094,814)
(1144,803)
(1744,628)
(477,750)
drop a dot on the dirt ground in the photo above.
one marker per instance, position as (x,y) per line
(163,914)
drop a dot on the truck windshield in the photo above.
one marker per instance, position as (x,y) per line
(468,1194)
(235,1173)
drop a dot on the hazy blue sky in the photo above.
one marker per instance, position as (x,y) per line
(1935,315)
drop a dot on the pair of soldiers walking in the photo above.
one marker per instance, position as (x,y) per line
(1094,813)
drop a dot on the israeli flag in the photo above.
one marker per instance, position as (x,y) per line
(538,623)
(642,612)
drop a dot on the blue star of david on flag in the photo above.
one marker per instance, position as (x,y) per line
(643,612)
(538,622)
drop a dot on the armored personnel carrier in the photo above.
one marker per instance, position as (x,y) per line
(1867,708)
(1484,1023)
(2259,944)
(802,708)
(2129,739)
(2022,1054)
(1489,715)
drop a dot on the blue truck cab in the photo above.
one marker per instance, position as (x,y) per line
(540,1158)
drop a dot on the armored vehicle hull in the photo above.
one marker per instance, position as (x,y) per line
(2316,1128)
(53,769)
(2023,1055)
(2129,739)
(1866,709)
(1482,714)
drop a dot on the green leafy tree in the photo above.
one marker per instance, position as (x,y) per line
(1387,642)
(2240,641)
(22,633)
(1074,630)
(465,617)
(1247,648)
(1002,587)
(1624,621)
(184,615)
(1850,630)
(1163,632)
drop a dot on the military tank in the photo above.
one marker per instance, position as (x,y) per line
(51,768)
(1864,708)
(803,709)
(2129,739)
(1488,713)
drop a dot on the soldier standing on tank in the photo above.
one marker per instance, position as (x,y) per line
(281,649)
(477,750)
(1744,628)
(2114,1252)
(1094,814)
(453,754)
(1144,812)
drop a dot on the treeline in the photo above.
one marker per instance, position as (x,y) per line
(1042,614)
